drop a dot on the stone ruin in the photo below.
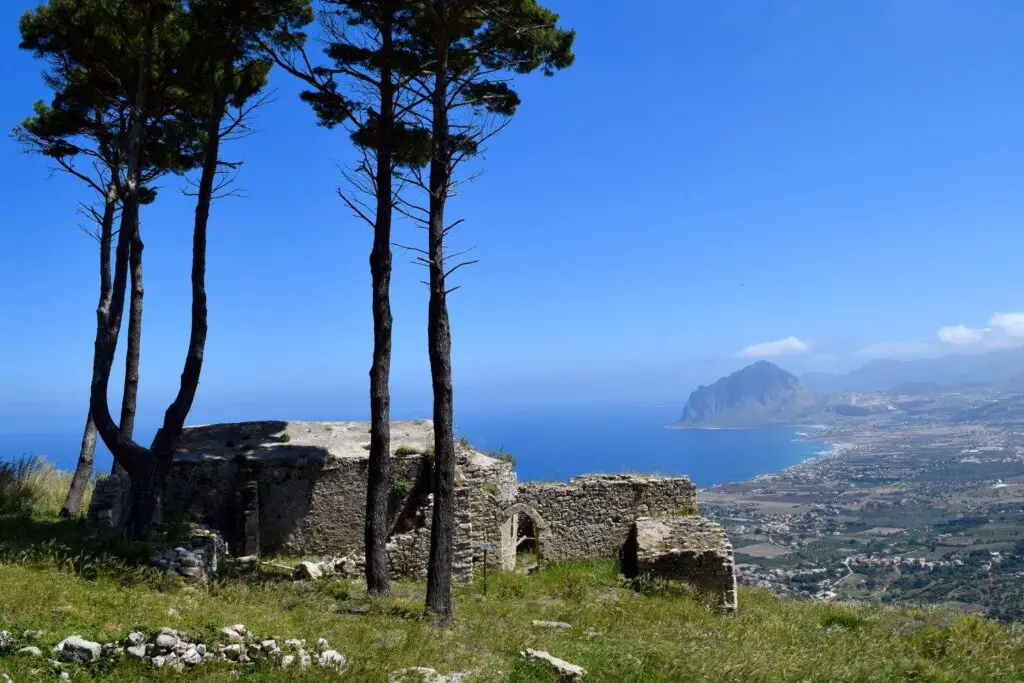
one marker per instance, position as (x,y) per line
(299,488)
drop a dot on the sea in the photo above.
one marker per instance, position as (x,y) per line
(558,442)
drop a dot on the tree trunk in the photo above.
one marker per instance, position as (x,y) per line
(126,452)
(439,571)
(87,455)
(134,342)
(379,476)
(83,472)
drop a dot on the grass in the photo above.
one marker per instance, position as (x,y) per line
(54,578)
(34,486)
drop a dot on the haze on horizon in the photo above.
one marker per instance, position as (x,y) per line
(813,183)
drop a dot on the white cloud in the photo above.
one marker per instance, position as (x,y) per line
(961,335)
(779,347)
(1011,324)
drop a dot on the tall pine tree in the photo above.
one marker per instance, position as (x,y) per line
(364,90)
(471,48)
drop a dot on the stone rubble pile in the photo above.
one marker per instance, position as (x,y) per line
(195,558)
(173,649)
(348,567)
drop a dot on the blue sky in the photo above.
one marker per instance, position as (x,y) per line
(834,180)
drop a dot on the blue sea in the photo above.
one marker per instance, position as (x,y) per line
(556,442)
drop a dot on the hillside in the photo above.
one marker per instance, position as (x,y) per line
(1002,368)
(617,633)
(759,394)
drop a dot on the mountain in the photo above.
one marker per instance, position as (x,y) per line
(1002,368)
(759,394)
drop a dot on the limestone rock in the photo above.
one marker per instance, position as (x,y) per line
(287,661)
(31,634)
(322,644)
(6,640)
(565,670)
(78,649)
(423,674)
(30,651)
(332,659)
(557,625)
(308,570)
(137,638)
(232,635)
(137,651)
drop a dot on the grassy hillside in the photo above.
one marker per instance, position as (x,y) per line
(51,579)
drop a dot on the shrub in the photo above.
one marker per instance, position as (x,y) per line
(406,450)
(401,487)
(503,457)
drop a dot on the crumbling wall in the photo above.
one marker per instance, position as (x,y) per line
(491,491)
(592,515)
(691,549)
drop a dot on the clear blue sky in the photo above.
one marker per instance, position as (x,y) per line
(707,177)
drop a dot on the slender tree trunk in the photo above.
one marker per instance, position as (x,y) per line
(177,412)
(134,342)
(87,455)
(379,476)
(83,472)
(439,571)
(130,455)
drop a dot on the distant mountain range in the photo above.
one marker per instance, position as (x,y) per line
(1002,369)
(764,394)
(759,394)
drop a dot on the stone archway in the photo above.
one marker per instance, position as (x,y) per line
(524,532)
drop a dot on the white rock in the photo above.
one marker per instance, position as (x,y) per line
(33,634)
(137,651)
(166,641)
(201,649)
(423,674)
(322,644)
(6,640)
(232,635)
(235,651)
(137,638)
(173,613)
(332,659)
(308,570)
(78,649)
(6,679)
(538,623)
(287,661)
(240,629)
(192,656)
(269,646)
(295,643)
(65,676)
(30,651)
(565,670)
(304,659)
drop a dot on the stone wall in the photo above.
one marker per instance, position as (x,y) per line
(591,516)
(689,548)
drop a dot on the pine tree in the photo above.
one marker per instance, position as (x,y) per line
(84,130)
(471,48)
(363,91)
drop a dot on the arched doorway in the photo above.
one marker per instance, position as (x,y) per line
(524,537)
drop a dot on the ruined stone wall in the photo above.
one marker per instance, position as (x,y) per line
(591,516)
(689,548)
(491,491)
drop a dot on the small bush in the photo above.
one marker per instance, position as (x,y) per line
(503,457)
(284,438)
(401,487)
(406,450)
(838,619)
